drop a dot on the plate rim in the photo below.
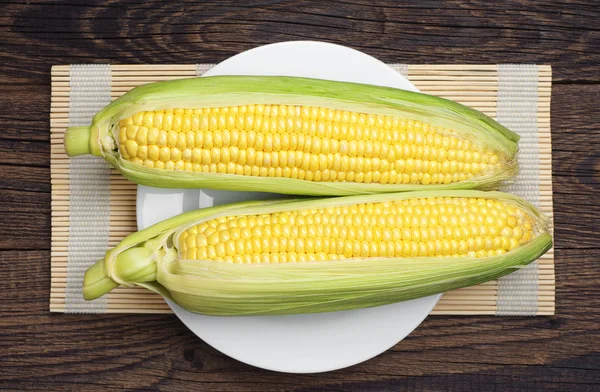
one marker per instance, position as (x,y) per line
(257,363)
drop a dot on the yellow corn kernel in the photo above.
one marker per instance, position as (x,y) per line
(312,143)
(390,229)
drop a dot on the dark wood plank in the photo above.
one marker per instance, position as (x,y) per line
(575,159)
(557,32)
(25,153)
(44,351)
(24,219)
(24,178)
(64,352)
(25,112)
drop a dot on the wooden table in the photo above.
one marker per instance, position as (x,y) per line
(44,351)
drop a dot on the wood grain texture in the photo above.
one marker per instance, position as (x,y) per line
(43,351)
(553,32)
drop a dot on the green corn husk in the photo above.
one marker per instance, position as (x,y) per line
(150,258)
(100,137)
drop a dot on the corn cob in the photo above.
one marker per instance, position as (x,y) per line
(303,256)
(299,136)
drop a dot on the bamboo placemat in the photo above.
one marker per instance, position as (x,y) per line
(473,85)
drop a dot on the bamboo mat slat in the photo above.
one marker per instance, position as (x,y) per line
(471,85)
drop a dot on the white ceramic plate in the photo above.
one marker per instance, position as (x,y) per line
(299,343)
